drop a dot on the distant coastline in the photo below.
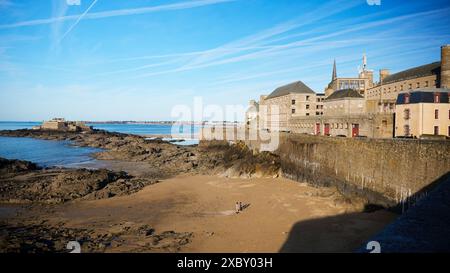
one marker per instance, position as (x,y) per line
(154,122)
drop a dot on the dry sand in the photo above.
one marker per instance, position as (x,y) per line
(282,215)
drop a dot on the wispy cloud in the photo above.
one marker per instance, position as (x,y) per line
(258,39)
(119,12)
(59,9)
(78,20)
(228,54)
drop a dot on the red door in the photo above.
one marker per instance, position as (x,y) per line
(355,130)
(326,129)
(317,128)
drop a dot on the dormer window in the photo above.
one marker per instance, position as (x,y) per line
(406,98)
(436,98)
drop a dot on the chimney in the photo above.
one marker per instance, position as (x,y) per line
(445,66)
(383,74)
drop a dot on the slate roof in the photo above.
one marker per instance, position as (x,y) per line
(415,72)
(424,95)
(344,93)
(297,87)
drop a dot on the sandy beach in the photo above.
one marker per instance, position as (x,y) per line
(282,215)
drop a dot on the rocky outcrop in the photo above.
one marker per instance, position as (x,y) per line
(41,238)
(22,181)
(236,160)
(16,166)
(168,159)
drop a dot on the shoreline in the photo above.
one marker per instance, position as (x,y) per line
(187,189)
(195,214)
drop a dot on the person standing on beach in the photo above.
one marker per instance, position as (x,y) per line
(240,206)
(237,207)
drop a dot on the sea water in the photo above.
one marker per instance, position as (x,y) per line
(187,132)
(46,153)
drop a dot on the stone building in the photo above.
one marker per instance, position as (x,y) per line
(61,124)
(363,125)
(292,100)
(382,97)
(424,111)
(344,102)
(354,107)
(344,115)
(360,84)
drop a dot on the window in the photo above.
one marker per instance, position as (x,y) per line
(410,86)
(406,98)
(307,114)
(401,87)
(436,130)
(436,114)
(426,83)
(406,130)
(406,114)
(293,111)
(317,113)
(293,102)
(418,84)
(307,98)
(307,106)
(448,130)
(448,114)
(436,98)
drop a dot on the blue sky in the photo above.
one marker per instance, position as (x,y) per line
(136,60)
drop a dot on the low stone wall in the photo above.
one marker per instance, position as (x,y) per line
(387,172)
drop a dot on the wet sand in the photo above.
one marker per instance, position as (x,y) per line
(282,215)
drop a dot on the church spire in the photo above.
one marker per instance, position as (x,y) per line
(334,76)
(364,62)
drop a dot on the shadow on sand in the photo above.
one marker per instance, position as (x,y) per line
(423,227)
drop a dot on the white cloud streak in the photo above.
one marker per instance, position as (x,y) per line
(77,21)
(323,11)
(116,13)
(215,57)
